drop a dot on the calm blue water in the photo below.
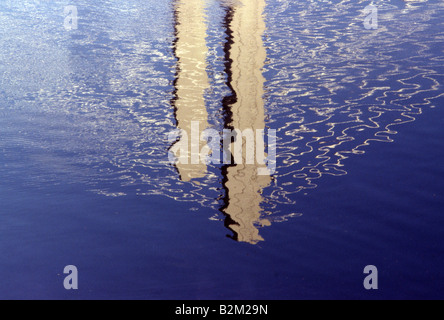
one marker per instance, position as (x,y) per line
(84,172)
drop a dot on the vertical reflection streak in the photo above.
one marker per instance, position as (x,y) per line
(191,79)
(244,109)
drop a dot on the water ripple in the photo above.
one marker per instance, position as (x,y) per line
(94,106)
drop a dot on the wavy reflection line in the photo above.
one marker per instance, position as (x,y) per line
(244,109)
(191,81)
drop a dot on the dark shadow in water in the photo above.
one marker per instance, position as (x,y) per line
(227,102)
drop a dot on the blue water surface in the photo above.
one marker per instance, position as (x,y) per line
(84,172)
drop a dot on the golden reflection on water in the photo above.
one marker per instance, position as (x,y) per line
(192,79)
(245,54)
(243,183)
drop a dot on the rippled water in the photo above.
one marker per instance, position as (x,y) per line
(85,177)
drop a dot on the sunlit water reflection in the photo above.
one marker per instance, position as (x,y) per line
(94,106)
